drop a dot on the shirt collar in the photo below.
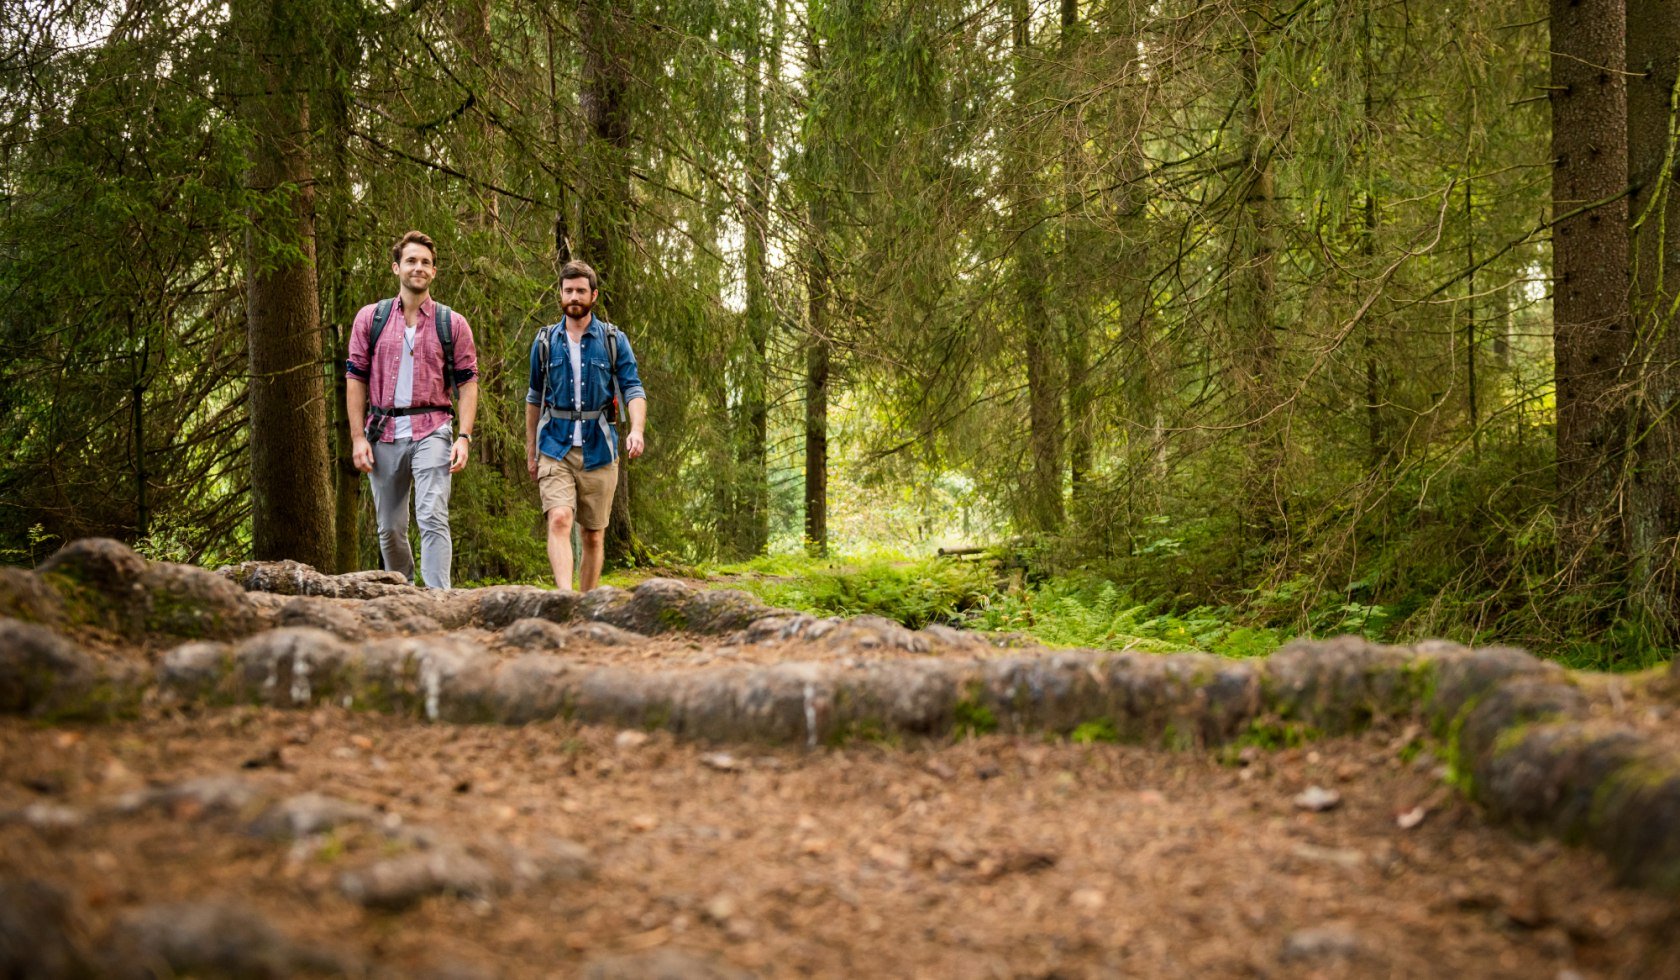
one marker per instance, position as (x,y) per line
(426,305)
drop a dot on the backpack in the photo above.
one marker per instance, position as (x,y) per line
(544,343)
(443,321)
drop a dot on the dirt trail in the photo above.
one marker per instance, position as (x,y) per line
(295,775)
(994,856)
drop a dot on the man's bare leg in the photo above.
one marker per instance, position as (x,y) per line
(560,548)
(594,554)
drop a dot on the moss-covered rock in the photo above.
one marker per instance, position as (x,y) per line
(504,605)
(1341,685)
(26,596)
(40,671)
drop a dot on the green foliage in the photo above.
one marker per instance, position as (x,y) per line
(915,592)
(1095,731)
(1090,612)
(972,716)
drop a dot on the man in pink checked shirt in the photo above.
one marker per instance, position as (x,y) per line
(408,363)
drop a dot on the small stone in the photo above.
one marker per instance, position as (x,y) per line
(534,635)
(308,814)
(630,739)
(1317,799)
(720,909)
(555,860)
(401,882)
(601,635)
(193,798)
(1087,899)
(722,761)
(49,820)
(1321,943)
(1411,818)
(1340,856)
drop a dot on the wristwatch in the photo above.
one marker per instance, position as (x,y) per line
(465,435)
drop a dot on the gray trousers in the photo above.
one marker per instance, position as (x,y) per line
(401,465)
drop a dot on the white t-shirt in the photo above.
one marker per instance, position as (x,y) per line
(404,395)
(575,349)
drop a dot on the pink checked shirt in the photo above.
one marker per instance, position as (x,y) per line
(380,371)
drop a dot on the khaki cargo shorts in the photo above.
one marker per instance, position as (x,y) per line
(588,493)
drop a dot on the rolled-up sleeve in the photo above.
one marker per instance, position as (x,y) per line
(532,395)
(357,363)
(629,377)
(465,367)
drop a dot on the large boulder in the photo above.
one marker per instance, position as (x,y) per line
(105,583)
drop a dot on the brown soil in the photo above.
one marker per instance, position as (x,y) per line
(993,856)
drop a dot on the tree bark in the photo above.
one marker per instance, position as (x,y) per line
(1043,503)
(1653,63)
(752,522)
(604,209)
(291,495)
(1252,330)
(1590,271)
(339,308)
(816,390)
(1076,345)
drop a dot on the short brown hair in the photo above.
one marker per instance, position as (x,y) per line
(579,269)
(413,238)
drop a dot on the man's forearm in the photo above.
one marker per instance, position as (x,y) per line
(638,414)
(355,404)
(532,414)
(469,406)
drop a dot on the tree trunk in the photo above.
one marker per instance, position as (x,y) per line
(291,495)
(1653,57)
(1043,504)
(816,391)
(339,307)
(1590,266)
(752,522)
(602,30)
(1252,335)
(1076,345)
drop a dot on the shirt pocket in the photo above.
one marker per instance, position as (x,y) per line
(597,384)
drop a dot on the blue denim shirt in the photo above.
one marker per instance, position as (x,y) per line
(600,439)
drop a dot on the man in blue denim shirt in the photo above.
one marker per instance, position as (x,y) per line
(571,435)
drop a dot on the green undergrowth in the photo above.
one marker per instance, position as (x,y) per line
(1067,612)
(915,592)
(1106,612)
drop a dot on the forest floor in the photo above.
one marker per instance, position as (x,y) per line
(265,841)
(987,856)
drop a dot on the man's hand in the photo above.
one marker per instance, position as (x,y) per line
(634,444)
(361,453)
(531,463)
(458,454)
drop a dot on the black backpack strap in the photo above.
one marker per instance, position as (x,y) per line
(612,365)
(443,320)
(381,316)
